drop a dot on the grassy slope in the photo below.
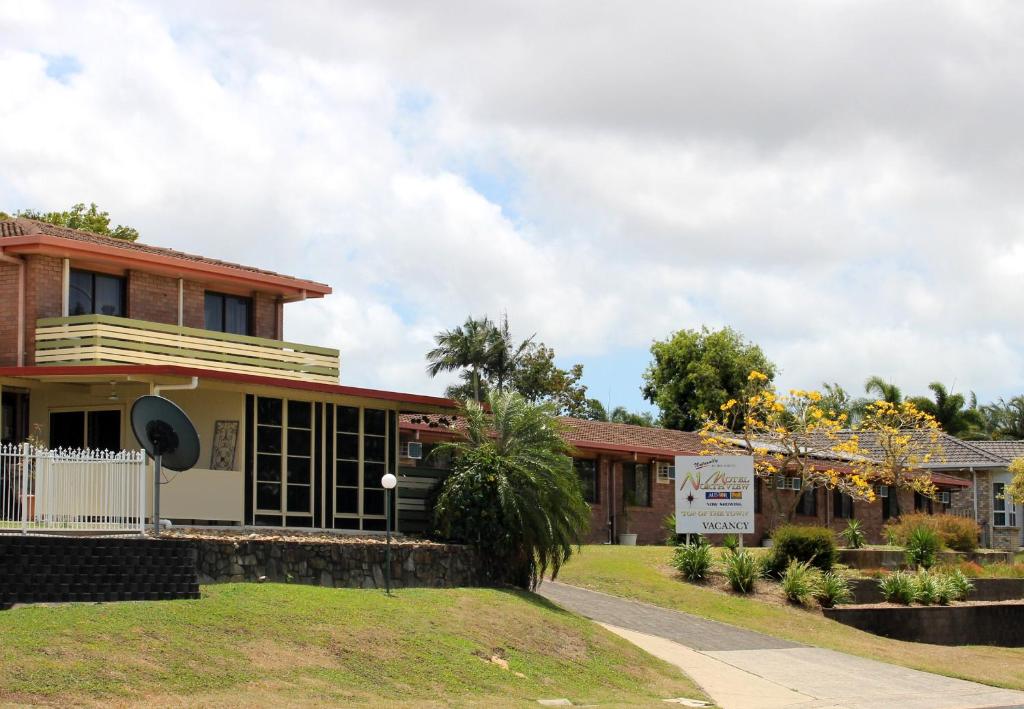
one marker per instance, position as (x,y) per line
(279,644)
(643,573)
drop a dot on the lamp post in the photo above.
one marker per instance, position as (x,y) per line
(388,482)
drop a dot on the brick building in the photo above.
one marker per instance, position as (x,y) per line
(613,458)
(89,323)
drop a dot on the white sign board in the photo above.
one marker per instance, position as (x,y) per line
(714,494)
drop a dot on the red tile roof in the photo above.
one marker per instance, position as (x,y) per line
(21,230)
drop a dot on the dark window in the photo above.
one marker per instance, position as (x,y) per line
(636,483)
(587,472)
(228,313)
(842,505)
(808,504)
(891,503)
(95,293)
(758,494)
(99,430)
(922,503)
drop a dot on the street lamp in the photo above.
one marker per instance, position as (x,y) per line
(388,482)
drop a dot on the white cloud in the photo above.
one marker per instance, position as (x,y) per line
(840,181)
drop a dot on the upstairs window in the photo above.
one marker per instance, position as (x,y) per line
(228,313)
(95,294)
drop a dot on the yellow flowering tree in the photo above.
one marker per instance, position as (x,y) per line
(900,441)
(1014,491)
(795,436)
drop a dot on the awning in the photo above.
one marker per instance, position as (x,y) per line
(943,480)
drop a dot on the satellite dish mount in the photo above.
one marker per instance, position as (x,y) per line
(168,436)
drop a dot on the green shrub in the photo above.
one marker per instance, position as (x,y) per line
(693,560)
(854,535)
(731,542)
(898,587)
(742,570)
(926,588)
(833,589)
(668,524)
(960,585)
(815,545)
(800,581)
(957,533)
(923,546)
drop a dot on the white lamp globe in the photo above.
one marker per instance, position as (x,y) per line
(389,481)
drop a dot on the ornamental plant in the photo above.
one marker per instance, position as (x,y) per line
(923,547)
(512,492)
(854,535)
(693,560)
(742,570)
(832,590)
(800,581)
(898,587)
(814,545)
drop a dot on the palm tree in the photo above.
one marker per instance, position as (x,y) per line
(949,410)
(503,354)
(465,347)
(883,390)
(1004,419)
(512,492)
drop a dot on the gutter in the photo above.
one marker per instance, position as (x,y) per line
(20,263)
(176,387)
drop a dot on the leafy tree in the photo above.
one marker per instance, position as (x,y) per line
(512,492)
(787,435)
(89,219)
(836,400)
(594,410)
(951,411)
(694,372)
(620,414)
(1014,490)
(503,354)
(537,378)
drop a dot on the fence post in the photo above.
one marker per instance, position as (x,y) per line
(141,481)
(26,448)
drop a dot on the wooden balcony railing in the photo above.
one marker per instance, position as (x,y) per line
(102,339)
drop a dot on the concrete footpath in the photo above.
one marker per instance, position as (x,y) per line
(741,669)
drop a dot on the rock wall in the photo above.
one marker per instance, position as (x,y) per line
(350,565)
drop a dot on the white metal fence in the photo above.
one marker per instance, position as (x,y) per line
(71,490)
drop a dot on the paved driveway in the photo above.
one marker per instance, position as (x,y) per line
(740,668)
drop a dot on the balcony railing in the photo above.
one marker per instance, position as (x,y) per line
(102,339)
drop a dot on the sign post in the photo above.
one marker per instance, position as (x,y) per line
(714,494)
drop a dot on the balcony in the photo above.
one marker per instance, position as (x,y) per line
(102,339)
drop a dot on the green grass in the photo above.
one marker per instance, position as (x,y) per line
(282,644)
(644,574)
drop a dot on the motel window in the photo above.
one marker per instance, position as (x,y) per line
(97,430)
(636,482)
(889,496)
(95,294)
(808,504)
(842,505)
(284,464)
(1004,512)
(922,503)
(346,480)
(586,470)
(758,494)
(666,473)
(362,454)
(228,313)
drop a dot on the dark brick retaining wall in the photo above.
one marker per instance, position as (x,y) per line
(895,558)
(348,565)
(991,624)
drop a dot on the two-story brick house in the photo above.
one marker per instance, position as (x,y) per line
(89,323)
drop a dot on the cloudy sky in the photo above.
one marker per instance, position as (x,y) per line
(840,181)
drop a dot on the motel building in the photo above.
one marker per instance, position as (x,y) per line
(89,323)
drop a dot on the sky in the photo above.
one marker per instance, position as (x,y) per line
(839,181)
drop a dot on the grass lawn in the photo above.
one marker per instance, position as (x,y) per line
(272,644)
(643,573)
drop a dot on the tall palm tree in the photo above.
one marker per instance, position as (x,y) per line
(512,492)
(1004,419)
(503,354)
(950,410)
(886,391)
(465,347)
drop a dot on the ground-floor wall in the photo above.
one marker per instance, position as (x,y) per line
(1000,521)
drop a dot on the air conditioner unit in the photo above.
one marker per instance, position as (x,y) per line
(882,490)
(944,497)
(412,449)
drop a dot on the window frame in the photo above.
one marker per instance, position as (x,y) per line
(666,473)
(632,467)
(122,283)
(595,488)
(224,297)
(284,429)
(1002,506)
(360,517)
(86,411)
(808,499)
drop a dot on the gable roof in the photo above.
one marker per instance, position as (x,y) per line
(33,236)
(956,453)
(1007,450)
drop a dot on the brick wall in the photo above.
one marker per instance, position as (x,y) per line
(194,305)
(152,298)
(44,276)
(8,315)
(264,316)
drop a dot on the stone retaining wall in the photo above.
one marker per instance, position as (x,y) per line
(990,624)
(349,565)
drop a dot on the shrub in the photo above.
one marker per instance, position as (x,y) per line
(742,570)
(832,589)
(923,546)
(897,587)
(812,544)
(668,524)
(959,533)
(960,585)
(693,560)
(800,581)
(926,588)
(731,542)
(854,535)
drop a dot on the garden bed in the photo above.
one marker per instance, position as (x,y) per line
(866,591)
(972,623)
(893,558)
